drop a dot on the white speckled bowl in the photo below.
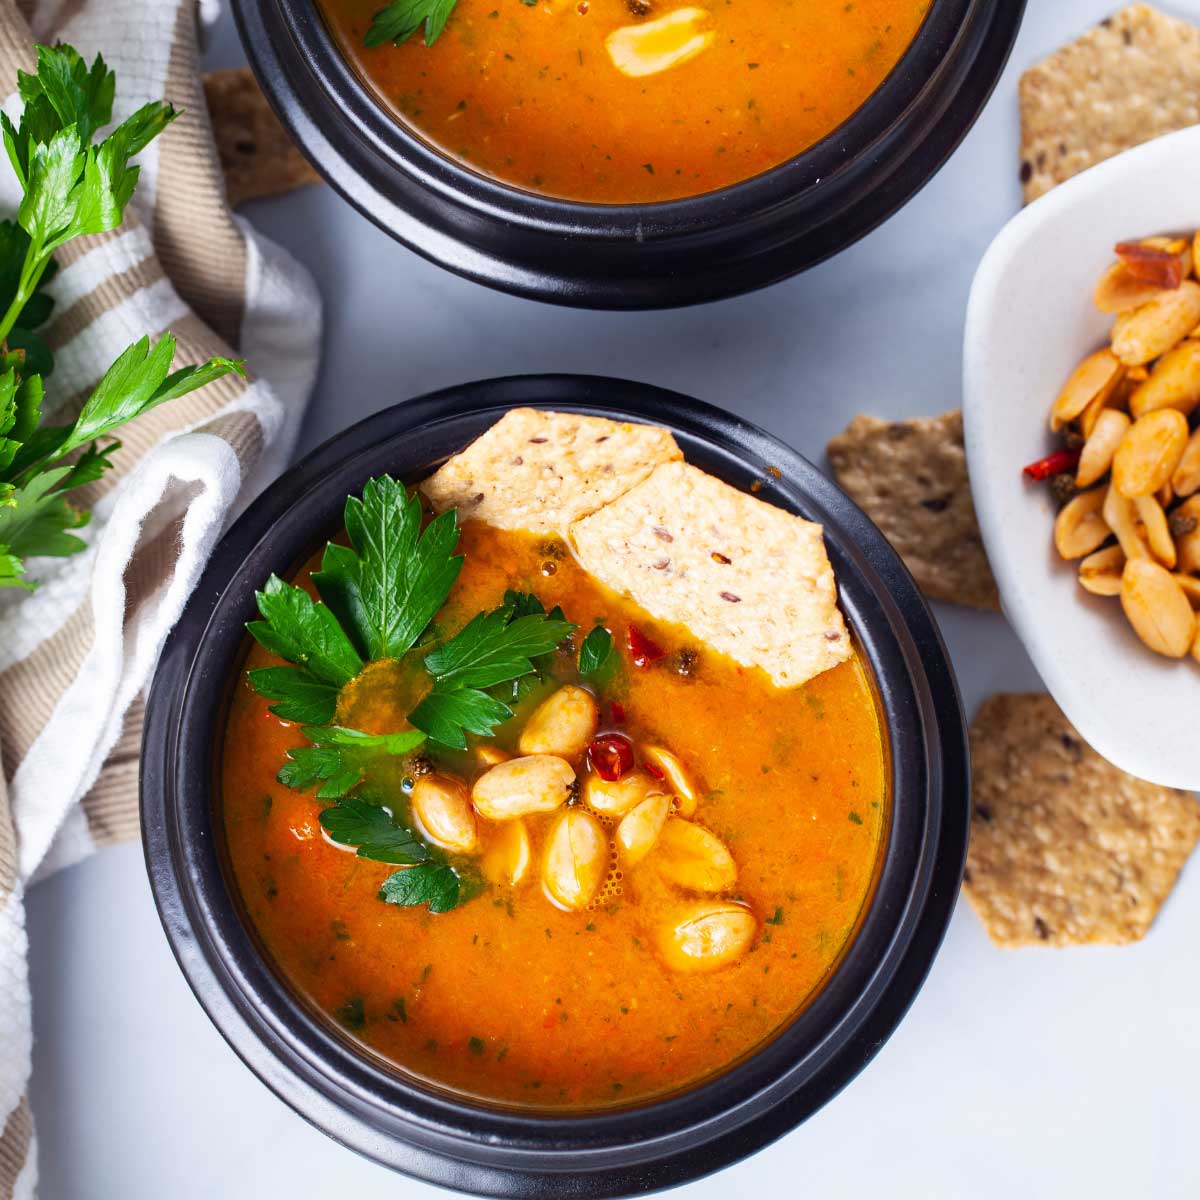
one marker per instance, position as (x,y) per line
(1030,319)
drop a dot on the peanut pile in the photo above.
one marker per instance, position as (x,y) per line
(1128,473)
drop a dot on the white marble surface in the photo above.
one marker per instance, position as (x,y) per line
(1032,1074)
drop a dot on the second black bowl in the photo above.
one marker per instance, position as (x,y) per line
(480,1148)
(637,255)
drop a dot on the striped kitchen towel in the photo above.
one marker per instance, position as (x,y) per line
(76,655)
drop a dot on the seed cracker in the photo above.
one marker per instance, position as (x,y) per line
(1133,77)
(910,478)
(1065,848)
(257,155)
(541,471)
(745,577)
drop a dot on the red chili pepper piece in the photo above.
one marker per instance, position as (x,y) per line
(655,771)
(644,651)
(611,756)
(1053,464)
(618,712)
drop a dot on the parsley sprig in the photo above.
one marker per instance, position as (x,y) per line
(402,18)
(376,601)
(72,184)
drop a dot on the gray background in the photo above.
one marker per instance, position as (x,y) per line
(1028,1073)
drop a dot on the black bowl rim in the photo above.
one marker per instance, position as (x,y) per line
(784,220)
(476,1148)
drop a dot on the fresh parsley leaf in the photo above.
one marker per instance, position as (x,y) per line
(136,383)
(595,651)
(303,697)
(335,757)
(434,884)
(447,716)
(303,631)
(367,826)
(523,604)
(493,647)
(402,18)
(35,519)
(326,765)
(71,185)
(11,570)
(387,587)
(355,739)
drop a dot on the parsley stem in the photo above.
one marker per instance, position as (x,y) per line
(32,271)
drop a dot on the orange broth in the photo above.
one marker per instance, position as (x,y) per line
(509,999)
(526,91)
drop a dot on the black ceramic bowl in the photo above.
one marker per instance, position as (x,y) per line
(483,1149)
(638,255)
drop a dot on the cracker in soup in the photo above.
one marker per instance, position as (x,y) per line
(1132,78)
(1065,849)
(744,576)
(540,471)
(910,478)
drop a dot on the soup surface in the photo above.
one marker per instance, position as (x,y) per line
(509,997)
(537,94)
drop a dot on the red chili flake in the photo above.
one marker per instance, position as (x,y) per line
(610,756)
(549,1021)
(655,771)
(1053,464)
(618,712)
(644,651)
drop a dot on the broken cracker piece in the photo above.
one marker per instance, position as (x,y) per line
(541,471)
(1132,78)
(257,155)
(1065,848)
(743,576)
(910,478)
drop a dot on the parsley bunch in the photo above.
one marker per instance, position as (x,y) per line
(377,598)
(72,184)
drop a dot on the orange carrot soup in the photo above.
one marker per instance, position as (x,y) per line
(523,841)
(623,101)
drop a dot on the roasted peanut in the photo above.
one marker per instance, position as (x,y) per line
(1102,443)
(706,935)
(1095,377)
(616,798)
(1185,525)
(507,857)
(1174,382)
(532,784)
(676,778)
(1196,640)
(1100,573)
(690,856)
(576,859)
(1149,452)
(562,724)
(1141,334)
(1118,290)
(490,755)
(1120,517)
(1154,523)
(1079,527)
(1157,608)
(442,808)
(640,827)
(1191,588)
(1185,479)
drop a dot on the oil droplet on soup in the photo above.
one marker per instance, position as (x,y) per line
(641,965)
(631,101)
